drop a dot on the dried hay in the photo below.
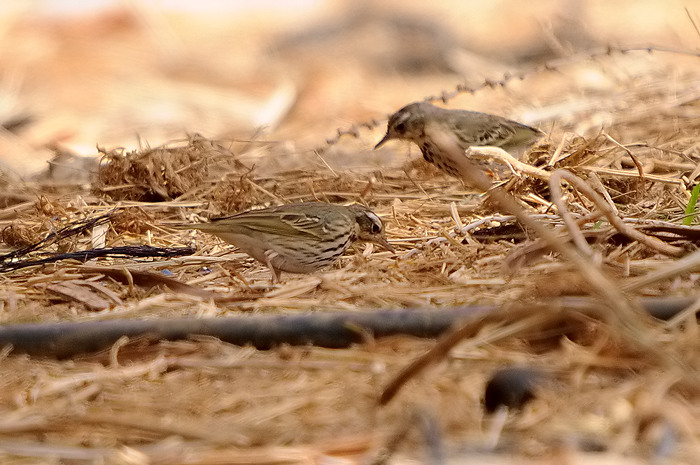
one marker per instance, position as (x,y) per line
(162,173)
(203,401)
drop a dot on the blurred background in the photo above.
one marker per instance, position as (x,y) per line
(74,75)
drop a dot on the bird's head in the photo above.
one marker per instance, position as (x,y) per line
(369,226)
(408,123)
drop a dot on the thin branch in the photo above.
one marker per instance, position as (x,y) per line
(652,242)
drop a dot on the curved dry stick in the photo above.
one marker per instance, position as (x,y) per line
(439,351)
(539,244)
(498,154)
(555,186)
(684,265)
(634,158)
(571,224)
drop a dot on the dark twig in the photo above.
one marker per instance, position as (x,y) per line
(129,251)
(70,230)
(265,331)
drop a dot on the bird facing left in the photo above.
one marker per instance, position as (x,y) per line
(299,237)
(425,124)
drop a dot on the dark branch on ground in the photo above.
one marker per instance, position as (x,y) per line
(332,329)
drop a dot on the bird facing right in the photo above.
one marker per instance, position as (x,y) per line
(418,123)
(298,238)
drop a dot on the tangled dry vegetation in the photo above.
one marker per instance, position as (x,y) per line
(614,393)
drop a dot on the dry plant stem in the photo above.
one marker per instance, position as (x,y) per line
(688,263)
(158,424)
(176,450)
(598,184)
(635,160)
(500,155)
(429,430)
(280,455)
(509,264)
(557,152)
(58,453)
(595,215)
(555,187)
(571,224)
(688,314)
(447,342)
(631,174)
(627,318)
(466,229)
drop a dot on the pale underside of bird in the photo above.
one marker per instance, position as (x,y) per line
(419,122)
(297,238)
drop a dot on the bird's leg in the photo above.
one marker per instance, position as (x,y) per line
(492,153)
(276,274)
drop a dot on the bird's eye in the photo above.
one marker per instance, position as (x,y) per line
(376,228)
(401,127)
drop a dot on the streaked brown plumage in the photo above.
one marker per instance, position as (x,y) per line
(415,123)
(297,238)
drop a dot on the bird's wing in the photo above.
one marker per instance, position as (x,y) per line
(279,223)
(474,128)
(303,223)
(497,135)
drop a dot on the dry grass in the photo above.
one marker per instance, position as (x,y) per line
(203,401)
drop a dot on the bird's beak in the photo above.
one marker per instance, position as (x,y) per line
(384,243)
(383,141)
